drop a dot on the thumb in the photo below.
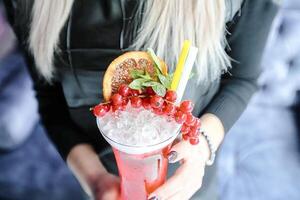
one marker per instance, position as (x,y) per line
(178,152)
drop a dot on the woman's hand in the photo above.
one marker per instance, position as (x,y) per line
(106,187)
(93,177)
(188,177)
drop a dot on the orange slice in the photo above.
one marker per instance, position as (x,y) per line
(118,72)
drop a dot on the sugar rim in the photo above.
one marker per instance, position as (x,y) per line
(138,149)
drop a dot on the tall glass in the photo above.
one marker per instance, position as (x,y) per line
(142,169)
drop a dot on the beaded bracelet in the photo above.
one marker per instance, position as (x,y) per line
(211,148)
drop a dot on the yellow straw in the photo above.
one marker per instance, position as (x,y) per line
(179,68)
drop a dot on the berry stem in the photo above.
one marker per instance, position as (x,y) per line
(170,102)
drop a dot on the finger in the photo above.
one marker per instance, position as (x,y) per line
(176,196)
(193,183)
(108,194)
(187,193)
(179,196)
(172,186)
(112,194)
(178,152)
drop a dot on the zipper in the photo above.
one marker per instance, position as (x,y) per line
(122,3)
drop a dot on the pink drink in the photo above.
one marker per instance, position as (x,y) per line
(141,174)
(143,164)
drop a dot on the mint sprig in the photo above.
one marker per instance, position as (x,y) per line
(159,89)
(155,60)
(160,82)
(164,81)
(137,84)
(150,83)
(135,74)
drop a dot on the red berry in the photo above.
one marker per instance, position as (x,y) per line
(125,101)
(180,117)
(107,107)
(158,111)
(116,99)
(149,91)
(124,90)
(146,103)
(169,109)
(171,96)
(185,129)
(135,92)
(99,110)
(190,119)
(185,137)
(194,141)
(123,107)
(118,108)
(197,123)
(136,102)
(194,132)
(186,106)
(156,101)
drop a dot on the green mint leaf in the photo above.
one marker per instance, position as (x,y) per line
(150,83)
(165,81)
(170,77)
(137,84)
(136,73)
(146,76)
(159,89)
(155,60)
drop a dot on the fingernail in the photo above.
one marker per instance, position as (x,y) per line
(172,156)
(153,198)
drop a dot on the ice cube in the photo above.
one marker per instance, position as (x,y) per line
(149,134)
(137,126)
(110,125)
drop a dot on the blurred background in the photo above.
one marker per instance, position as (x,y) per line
(30,167)
(260,158)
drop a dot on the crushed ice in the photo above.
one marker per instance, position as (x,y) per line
(138,127)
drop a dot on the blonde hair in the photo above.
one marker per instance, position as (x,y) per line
(48,18)
(161,25)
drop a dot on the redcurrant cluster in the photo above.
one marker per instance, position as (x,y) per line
(149,100)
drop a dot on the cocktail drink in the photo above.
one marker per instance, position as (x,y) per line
(141,174)
(140,141)
(142,115)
